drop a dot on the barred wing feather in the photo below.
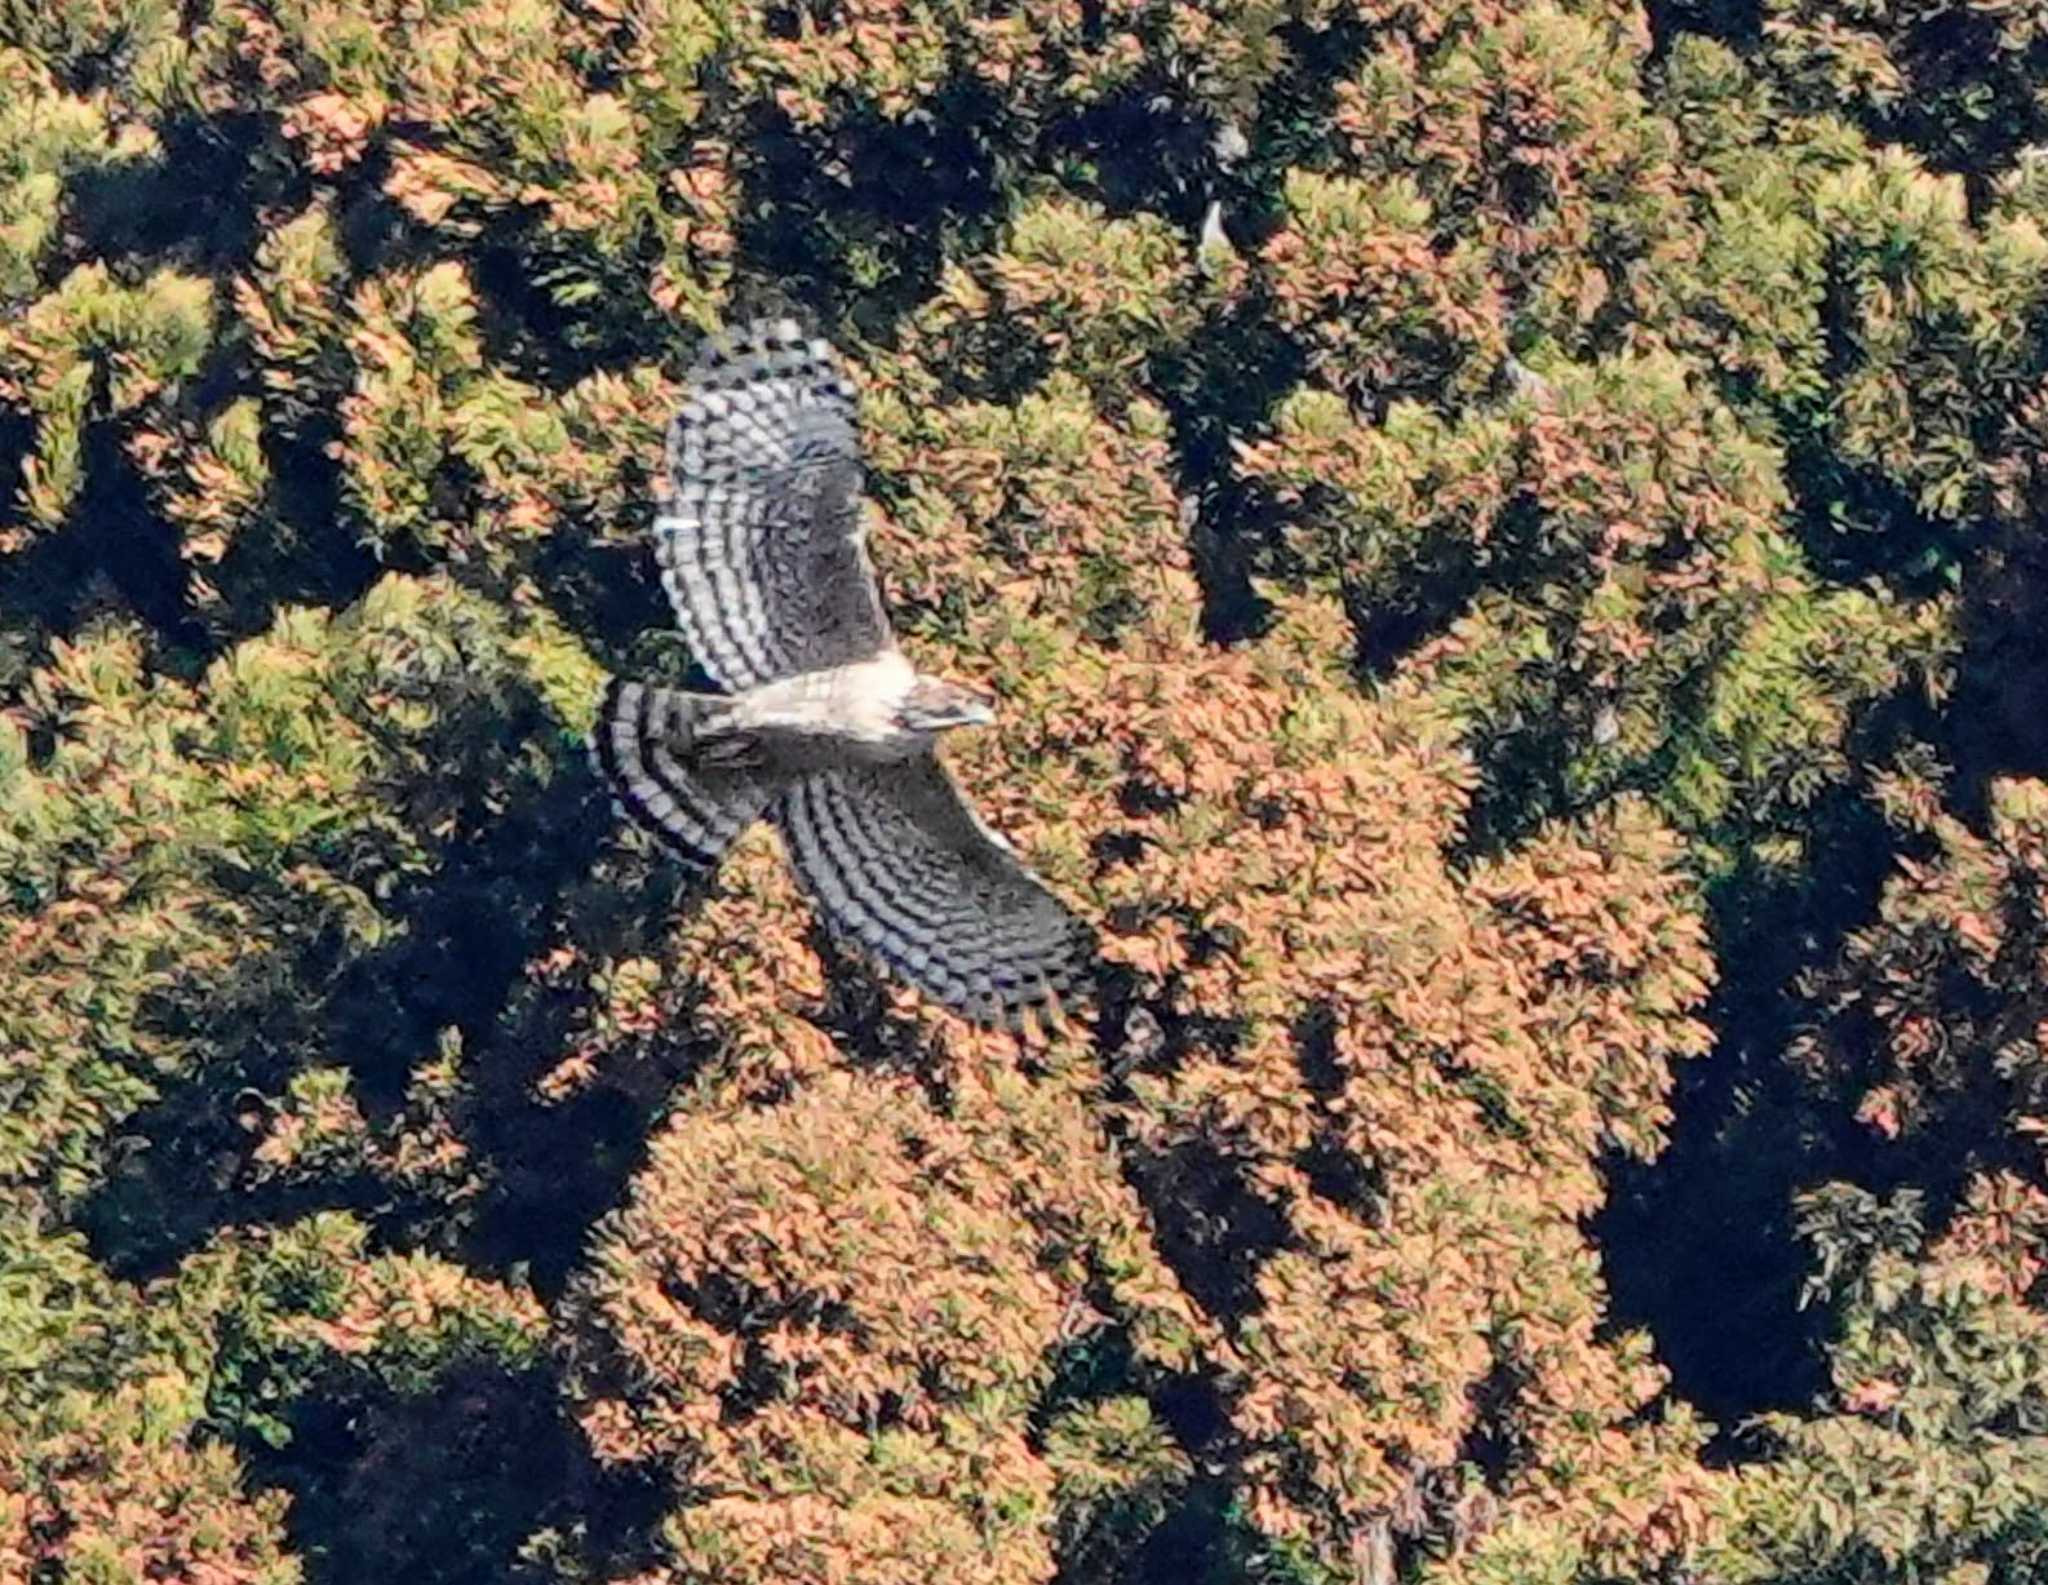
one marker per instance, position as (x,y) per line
(901,866)
(761,545)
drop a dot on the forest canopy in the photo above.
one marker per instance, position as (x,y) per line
(1506,540)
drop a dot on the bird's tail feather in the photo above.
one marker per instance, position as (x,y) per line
(647,745)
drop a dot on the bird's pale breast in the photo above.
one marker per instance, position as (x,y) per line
(840,715)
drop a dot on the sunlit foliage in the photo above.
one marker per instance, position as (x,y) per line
(1507,546)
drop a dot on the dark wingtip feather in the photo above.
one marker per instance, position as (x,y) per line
(781,360)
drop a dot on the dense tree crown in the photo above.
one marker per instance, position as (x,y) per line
(1506,540)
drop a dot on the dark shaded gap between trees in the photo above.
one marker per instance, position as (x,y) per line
(1721,1298)
(445,1486)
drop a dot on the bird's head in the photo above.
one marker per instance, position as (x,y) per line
(933,705)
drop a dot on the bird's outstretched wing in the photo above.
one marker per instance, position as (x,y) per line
(901,866)
(760,543)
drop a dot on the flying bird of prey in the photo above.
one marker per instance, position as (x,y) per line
(824,727)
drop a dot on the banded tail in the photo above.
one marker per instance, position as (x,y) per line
(642,744)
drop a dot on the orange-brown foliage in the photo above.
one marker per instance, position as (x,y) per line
(1447,495)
